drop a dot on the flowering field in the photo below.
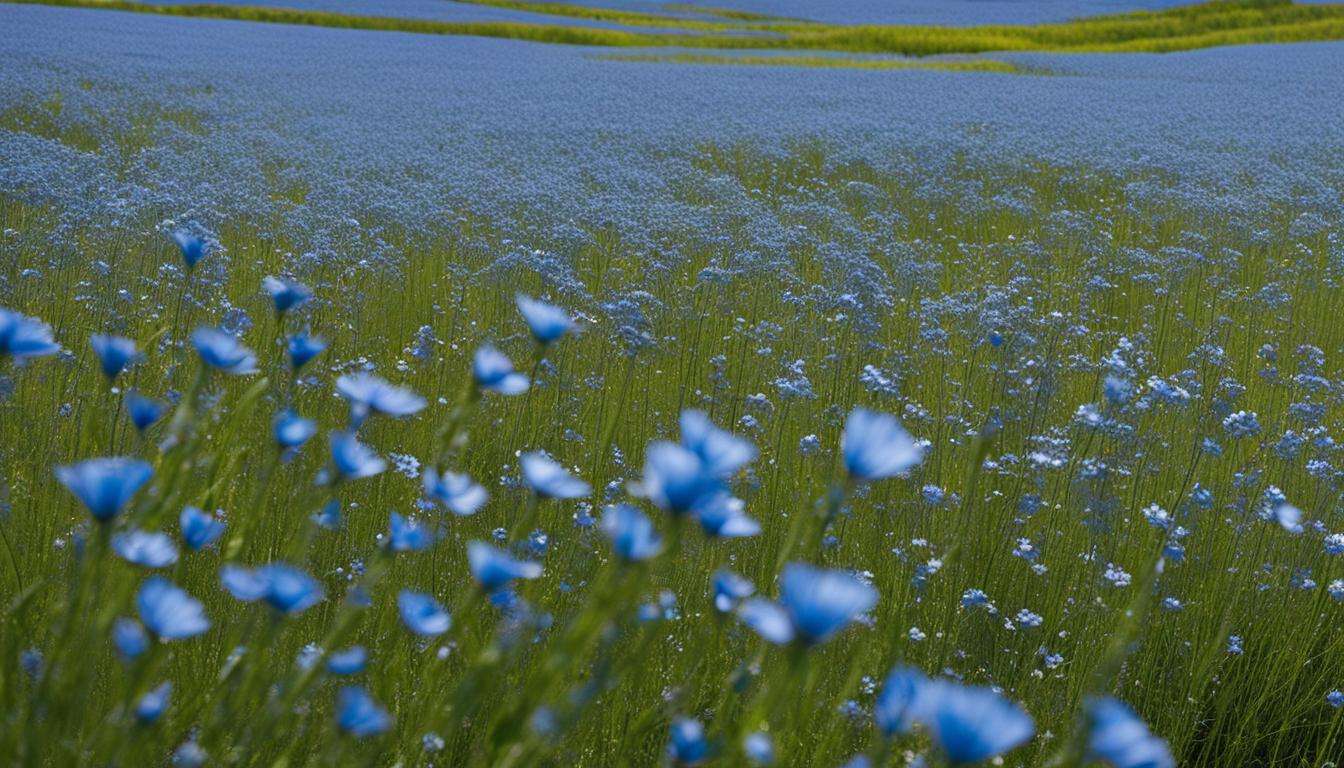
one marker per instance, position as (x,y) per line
(393,399)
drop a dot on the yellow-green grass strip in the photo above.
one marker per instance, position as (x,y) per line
(1238,22)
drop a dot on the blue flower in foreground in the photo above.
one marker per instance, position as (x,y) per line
(688,745)
(199,529)
(547,322)
(493,568)
(284,587)
(675,479)
(221,350)
(632,534)
(285,294)
(456,492)
(303,348)
(759,748)
(1118,737)
(814,605)
(971,724)
(422,614)
(114,353)
(547,478)
(730,589)
(359,715)
(350,661)
(151,705)
(896,708)
(1335,698)
(105,485)
(144,411)
(494,372)
(169,613)
(292,430)
(148,549)
(130,638)
(721,452)
(722,516)
(353,459)
(22,337)
(408,535)
(368,393)
(191,246)
(875,446)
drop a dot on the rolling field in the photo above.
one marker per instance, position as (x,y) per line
(383,395)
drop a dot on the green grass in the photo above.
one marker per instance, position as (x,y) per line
(1227,22)
(1263,708)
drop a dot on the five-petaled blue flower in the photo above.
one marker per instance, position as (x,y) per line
(633,536)
(546,477)
(129,636)
(875,446)
(151,705)
(971,724)
(303,348)
(408,534)
(350,661)
(105,485)
(493,371)
(147,549)
(114,353)
(422,614)
(199,529)
(1118,737)
(814,604)
(191,246)
(493,568)
(688,744)
(359,715)
(368,393)
(222,350)
(354,460)
(285,294)
(547,322)
(22,337)
(456,492)
(292,430)
(144,411)
(284,587)
(168,612)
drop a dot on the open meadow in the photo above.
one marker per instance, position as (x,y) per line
(503,383)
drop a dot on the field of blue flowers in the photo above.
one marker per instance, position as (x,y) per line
(371,398)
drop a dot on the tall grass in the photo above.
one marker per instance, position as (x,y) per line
(596,408)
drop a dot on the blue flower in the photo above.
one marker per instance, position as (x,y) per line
(675,479)
(493,568)
(408,535)
(1119,738)
(303,348)
(1335,698)
(353,459)
(168,612)
(547,478)
(493,371)
(814,605)
(105,485)
(896,709)
(292,430)
(730,589)
(284,587)
(145,548)
(114,353)
(875,446)
(285,294)
(22,337)
(367,394)
(199,529)
(191,246)
(151,705)
(359,715)
(129,636)
(721,452)
(971,724)
(456,492)
(222,350)
(759,748)
(632,534)
(547,321)
(722,516)
(143,411)
(422,614)
(350,661)
(688,745)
